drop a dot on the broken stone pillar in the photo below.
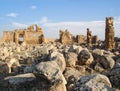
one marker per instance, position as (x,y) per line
(94,39)
(31,28)
(89,37)
(109,34)
(38,29)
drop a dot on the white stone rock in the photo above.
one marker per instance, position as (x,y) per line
(85,57)
(59,59)
(71,59)
(95,82)
(52,72)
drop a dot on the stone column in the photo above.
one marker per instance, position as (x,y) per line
(89,37)
(109,34)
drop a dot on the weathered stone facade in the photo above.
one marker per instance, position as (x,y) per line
(32,35)
(109,34)
(7,36)
(66,37)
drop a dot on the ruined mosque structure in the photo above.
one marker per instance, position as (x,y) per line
(32,35)
(109,33)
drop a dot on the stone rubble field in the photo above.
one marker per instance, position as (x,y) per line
(58,67)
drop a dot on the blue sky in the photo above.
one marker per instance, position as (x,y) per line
(52,15)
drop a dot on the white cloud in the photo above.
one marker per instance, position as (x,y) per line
(12,14)
(18,25)
(117,27)
(43,20)
(33,7)
(51,29)
(77,28)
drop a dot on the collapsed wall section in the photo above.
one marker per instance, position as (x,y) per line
(8,36)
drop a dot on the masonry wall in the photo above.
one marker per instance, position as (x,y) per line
(33,37)
(81,39)
(8,36)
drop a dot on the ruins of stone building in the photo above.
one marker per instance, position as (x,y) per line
(91,40)
(109,33)
(81,39)
(32,35)
(66,37)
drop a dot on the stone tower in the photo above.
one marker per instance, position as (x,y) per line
(109,34)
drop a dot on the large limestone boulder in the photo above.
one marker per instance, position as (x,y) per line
(12,62)
(107,62)
(4,68)
(78,49)
(71,75)
(103,60)
(98,52)
(29,69)
(51,71)
(18,49)
(5,51)
(23,44)
(75,48)
(30,61)
(71,59)
(115,77)
(117,64)
(59,59)
(85,57)
(103,63)
(45,48)
(15,83)
(95,82)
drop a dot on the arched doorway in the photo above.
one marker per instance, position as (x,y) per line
(21,38)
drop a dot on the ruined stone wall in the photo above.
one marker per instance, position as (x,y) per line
(8,36)
(34,37)
(66,37)
(109,34)
(18,33)
(81,39)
